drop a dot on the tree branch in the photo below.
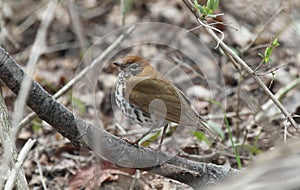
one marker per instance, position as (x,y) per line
(104,144)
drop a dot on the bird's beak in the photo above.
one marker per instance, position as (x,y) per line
(119,64)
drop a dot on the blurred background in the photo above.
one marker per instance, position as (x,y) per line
(60,33)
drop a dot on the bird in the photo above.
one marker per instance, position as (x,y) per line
(147,97)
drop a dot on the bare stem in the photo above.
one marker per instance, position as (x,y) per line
(241,62)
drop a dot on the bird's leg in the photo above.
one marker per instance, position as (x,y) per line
(162,136)
(165,126)
(144,135)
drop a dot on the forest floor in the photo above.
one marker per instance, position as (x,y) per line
(67,38)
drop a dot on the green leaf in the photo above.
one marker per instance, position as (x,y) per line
(79,105)
(216,5)
(147,140)
(275,43)
(268,53)
(201,137)
(216,128)
(269,50)
(253,149)
(196,4)
(36,125)
(212,4)
(207,10)
(202,9)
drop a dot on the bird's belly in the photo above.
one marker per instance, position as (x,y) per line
(134,114)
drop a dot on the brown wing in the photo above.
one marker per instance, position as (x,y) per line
(176,108)
(145,91)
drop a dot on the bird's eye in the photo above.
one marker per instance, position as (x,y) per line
(134,69)
(134,66)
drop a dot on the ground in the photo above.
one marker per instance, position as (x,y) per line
(74,33)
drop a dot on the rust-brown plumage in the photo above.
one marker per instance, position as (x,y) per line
(141,84)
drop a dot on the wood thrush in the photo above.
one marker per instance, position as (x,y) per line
(146,97)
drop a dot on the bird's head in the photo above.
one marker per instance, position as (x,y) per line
(132,65)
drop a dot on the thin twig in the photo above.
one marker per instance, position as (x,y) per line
(78,30)
(241,62)
(254,76)
(262,30)
(40,170)
(19,104)
(207,26)
(27,18)
(69,85)
(4,32)
(36,52)
(24,152)
(123,8)
(279,95)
